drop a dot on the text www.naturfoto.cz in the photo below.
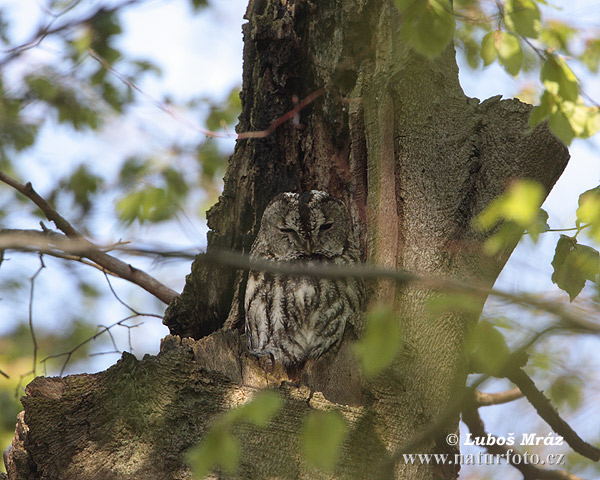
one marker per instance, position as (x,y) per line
(510,457)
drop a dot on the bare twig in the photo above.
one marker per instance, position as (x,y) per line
(133,310)
(91,251)
(550,415)
(471,418)
(482,399)
(70,353)
(31,329)
(5,375)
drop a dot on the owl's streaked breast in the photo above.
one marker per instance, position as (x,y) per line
(292,318)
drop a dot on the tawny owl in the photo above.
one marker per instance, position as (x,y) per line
(293,319)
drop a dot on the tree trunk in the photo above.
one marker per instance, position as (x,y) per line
(396,139)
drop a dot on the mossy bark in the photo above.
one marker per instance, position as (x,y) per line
(415,160)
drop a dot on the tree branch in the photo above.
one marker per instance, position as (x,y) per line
(91,251)
(49,29)
(550,415)
(471,418)
(482,399)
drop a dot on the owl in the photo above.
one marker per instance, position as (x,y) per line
(296,318)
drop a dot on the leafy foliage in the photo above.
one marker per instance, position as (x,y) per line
(488,351)
(322,437)
(514,211)
(574,264)
(220,448)
(381,342)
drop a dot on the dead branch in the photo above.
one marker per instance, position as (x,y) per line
(471,418)
(550,415)
(91,251)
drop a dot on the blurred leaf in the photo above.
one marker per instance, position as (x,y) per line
(520,204)
(487,348)
(539,225)
(225,113)
(199,4)
(381,342)
(591,55)
(148,204)
(508,49)
(83,184)
(566,390)
(557,34)
(574,264)
(559,79)
(259,411)
(454,302)
(132,170)
(588,212)
(219,448)
(488,50)
(212,160)
(522,17)
(428,25)
(322,438)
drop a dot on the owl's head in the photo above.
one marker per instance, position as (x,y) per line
(305,225)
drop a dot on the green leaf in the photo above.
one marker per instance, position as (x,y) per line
(381,342)
(219,448)
(510,54)
(488,49)
(588,212)
(427,25)
(559,79)
(454,302)
(543,110)
(522,17)
(591,55)
(322,437)
(539,225)
(557,34)
(84,184)
(574,264)
(561,127)
(199,4)
(520,203)
(487,348)
(259,411)
(566,389)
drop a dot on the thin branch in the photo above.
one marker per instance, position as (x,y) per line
(49,29)
(133,310)
(550,415)
(5,375)
(482,399)
(48,241)
(70,353)
(471,418)
(169,110)
(91,251)
(244,262)
(31,329)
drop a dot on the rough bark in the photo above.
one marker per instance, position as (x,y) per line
(393,136)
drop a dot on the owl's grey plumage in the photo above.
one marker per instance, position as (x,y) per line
(292,318)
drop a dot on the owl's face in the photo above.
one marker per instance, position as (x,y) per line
(307,225)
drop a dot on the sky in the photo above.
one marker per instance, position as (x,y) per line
(201,56)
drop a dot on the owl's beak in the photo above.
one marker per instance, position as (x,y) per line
(309,246)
